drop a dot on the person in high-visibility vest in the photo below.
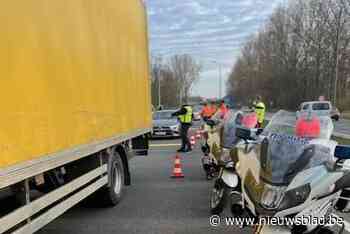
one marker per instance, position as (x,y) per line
(213,108)
(206,112)
(259,108)
(185,115)
(223,109)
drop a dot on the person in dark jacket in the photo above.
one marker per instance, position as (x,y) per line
(185,115)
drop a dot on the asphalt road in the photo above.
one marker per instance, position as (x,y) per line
(154,203)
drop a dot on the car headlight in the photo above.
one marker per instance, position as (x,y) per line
(295,197)
(174,127)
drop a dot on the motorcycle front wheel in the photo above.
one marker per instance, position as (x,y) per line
(218,197)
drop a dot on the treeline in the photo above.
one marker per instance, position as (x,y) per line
(302,52)
(176,77)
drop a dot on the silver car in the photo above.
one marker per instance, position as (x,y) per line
(165,125)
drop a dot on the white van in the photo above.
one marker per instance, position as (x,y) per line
(320,108)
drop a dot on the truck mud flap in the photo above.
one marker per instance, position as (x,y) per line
(140,145)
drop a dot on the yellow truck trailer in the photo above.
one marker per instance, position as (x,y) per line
(74,98)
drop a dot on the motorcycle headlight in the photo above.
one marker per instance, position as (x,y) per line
(272,196)
(295,197)
(225,156)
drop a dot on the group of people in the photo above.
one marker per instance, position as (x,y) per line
(185,116)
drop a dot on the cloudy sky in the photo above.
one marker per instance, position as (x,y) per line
(210,30)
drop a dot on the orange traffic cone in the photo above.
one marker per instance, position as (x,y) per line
(177,172)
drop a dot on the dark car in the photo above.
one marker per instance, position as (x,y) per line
(165,125)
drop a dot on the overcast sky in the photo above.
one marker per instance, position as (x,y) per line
(207,29)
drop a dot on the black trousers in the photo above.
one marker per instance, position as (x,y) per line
(184,136)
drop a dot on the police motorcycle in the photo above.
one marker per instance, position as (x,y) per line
(291,170)
(226,179)
(210,146)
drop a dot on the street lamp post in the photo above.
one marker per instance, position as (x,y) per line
(159,96)
(158,74)
(220,81)
(220,77)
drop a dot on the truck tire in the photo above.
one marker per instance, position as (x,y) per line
(112,193)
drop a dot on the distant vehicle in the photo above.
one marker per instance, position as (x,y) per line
(165,125)
(197,112)
(320,108)
(335,114)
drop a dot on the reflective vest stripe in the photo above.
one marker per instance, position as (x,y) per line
(186,118)
(260,111)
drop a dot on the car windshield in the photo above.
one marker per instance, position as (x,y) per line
(159,115)
(283,154)
(321,106)
(197,108)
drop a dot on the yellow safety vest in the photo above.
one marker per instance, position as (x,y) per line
(260,111)
(186,118)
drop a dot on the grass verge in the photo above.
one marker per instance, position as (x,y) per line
(345,115)
(341,141)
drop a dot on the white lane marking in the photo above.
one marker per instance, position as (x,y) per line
(164,145)
(346,223)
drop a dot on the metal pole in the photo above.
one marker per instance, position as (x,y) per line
(159,100)
(220,81)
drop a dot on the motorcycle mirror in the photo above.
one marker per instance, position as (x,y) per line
(211,122)
(244,133)
(259,131)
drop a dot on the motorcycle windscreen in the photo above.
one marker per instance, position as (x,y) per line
(229,138)
(284,156)
(233,120)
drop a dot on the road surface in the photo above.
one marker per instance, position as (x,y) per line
(154,203)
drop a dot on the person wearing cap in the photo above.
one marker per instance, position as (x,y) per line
(185,115)
(259,109)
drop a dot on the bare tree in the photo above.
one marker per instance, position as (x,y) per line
(186,70)
(172,79)
(302,52)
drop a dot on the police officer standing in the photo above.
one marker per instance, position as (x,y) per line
(185,115)
(259,108)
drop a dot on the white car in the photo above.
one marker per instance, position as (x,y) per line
(319,108)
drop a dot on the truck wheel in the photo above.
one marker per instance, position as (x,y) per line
(112,193)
